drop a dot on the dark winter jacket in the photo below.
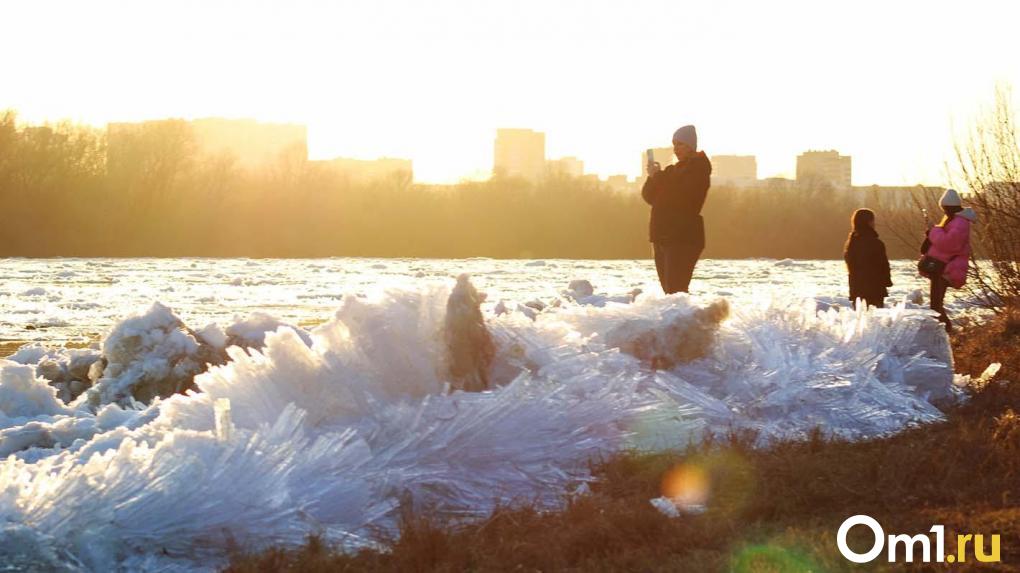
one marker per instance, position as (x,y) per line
(676,195)
(868,265)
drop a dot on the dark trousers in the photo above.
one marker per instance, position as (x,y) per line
(675,265)
(937,299)
(877,301)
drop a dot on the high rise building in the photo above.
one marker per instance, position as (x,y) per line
(155,148)
(565,166)
(254,144)
(664,155)
(619,183)
(519,153)
(734,170)
(825,166)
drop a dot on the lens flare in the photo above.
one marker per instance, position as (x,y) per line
(687,485)
(722,480)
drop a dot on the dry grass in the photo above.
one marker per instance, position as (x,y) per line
(997,341)
(774,509)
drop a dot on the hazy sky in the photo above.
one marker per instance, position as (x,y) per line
(885,82)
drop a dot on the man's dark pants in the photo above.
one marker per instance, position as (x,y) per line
(675,264)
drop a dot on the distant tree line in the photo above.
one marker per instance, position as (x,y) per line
(60,197)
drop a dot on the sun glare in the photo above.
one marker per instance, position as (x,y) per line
(432,81)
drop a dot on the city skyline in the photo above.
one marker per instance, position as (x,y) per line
(825,77)
(485,171)
(517,152)
(251,145)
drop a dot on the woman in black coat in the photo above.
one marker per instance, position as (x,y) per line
(866,261)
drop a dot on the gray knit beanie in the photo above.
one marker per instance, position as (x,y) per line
(686,134)
(950,199)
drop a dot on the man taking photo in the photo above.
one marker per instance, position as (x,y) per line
(677,194)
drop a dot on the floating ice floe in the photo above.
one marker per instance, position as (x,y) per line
(332,430)
(251,331)
(582,292)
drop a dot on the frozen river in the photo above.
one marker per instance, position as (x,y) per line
(334,397)
(76,300)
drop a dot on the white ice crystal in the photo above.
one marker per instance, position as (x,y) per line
(330,431)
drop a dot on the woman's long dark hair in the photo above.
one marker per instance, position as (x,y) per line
(861,221)
(950,211)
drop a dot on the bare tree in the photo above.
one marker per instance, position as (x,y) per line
(989,164)
(907,225)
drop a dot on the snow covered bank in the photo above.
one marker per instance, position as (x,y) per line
(331,430)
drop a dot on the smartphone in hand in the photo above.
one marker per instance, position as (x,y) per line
(651,162)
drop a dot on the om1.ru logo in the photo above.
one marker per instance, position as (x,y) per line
(910,544)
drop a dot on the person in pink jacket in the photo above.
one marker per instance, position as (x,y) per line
(950,244)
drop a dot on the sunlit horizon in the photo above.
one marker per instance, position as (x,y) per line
(888,84)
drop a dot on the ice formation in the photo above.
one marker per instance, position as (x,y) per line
(66,370)
(251,332)
(331,430)
(680,335)
(145,356)
(469,347)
